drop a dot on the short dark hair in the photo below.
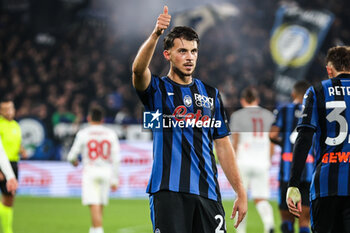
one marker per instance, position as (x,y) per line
(339,56)
(300,87)
(184,32)
(5,100)
(250,94)
(96,113)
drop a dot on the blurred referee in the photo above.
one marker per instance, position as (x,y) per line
(10,134)
(326,113)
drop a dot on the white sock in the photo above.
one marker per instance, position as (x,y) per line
(266,213)
(96,230)
(243,225)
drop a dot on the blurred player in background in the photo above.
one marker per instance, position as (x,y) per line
(327,113)
(11,137)
(283,132)
(183,188)
(99,147)
(249,127)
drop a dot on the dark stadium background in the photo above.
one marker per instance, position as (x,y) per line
(59,57)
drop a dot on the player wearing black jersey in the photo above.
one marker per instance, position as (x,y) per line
(183,188)
(327,114)
(283,132)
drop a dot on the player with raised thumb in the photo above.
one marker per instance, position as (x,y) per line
(163,22)
(141,72)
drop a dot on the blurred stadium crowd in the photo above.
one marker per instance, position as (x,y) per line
(57,75)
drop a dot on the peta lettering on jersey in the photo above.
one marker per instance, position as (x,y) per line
(189,119)
(203,101)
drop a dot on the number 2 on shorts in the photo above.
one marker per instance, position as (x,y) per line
(218,228)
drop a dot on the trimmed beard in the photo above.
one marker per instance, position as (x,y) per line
(181,74)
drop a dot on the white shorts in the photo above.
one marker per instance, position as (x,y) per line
(96,185)
(256,180)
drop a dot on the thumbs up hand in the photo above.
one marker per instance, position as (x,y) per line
(163,22)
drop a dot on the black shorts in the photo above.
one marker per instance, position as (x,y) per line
(304,189)
(3,188)
(173,212)
(330,214)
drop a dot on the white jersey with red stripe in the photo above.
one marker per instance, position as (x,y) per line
(252,124)
(99,147)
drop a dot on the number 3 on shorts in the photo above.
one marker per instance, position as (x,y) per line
(221,222)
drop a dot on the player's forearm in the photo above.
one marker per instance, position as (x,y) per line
(227,159)
(274,135)
(143,59)
(235,139)
(72,156)
(145,54)
(300,153)
(115,171)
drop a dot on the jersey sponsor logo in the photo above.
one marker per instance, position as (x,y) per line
(336,157)
(180,118)
(185,119)
(152,120)
(288,157)
(204,101)
(187,100)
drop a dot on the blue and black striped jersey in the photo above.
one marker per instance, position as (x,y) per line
(327,111)
(286,120)
(192,117)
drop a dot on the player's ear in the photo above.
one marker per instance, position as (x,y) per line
(166,54)
(243,102)
(329,71)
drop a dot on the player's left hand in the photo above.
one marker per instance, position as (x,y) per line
(240,206)
(293,199)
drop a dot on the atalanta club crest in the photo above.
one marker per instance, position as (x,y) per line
(187,100)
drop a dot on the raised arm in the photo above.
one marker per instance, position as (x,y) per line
(141,75)
(226,156)
(274,135)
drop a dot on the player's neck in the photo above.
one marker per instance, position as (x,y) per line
(6,118)
(95,123)
(336,73)
(251,106)
(182,80)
